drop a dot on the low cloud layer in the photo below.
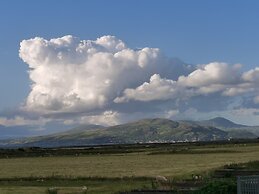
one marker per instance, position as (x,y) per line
(21,121)
(103,81)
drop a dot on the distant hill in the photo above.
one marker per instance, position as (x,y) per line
(10,132)
(164,130)
(220,122)
(16,131)
(235,130)
(142,131)
(79,129)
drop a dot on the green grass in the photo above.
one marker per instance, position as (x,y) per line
(22,190)
(125,165)
(252,165)
(94,186)
(71,173)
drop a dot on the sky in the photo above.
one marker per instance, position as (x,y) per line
(65,63)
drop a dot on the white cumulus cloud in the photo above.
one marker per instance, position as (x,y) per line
(106,118)
(70,74)
(207,79)
(106,82)
(156,89)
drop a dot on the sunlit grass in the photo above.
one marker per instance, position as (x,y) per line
(103,173)
(125,165)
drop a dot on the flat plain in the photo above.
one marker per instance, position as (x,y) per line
(102,172)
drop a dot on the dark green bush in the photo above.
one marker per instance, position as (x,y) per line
(219,187)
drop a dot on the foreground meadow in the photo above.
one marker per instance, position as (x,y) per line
(103,172)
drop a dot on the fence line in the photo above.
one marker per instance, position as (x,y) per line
(248,184)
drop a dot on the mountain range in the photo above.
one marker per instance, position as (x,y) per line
(16,131)
(155,130)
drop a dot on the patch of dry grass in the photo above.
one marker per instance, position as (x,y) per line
(126,165)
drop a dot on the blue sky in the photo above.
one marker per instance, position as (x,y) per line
(197,32)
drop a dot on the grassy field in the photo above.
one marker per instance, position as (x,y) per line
(108,186)
(168,161)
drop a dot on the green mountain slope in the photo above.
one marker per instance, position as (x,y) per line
(163,130)
(220,122)
(235,130)
(147,130)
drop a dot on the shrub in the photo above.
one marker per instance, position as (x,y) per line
(219,187)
